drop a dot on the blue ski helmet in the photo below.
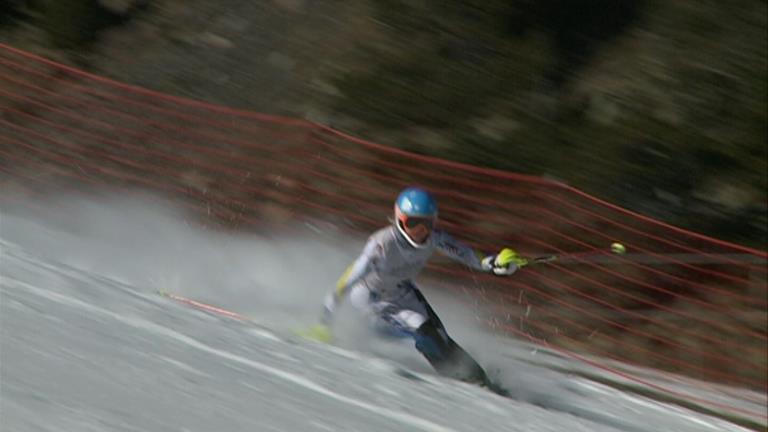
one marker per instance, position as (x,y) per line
(415,215)
(416,202)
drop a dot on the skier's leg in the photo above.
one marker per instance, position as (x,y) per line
(446,356)
(411,315)
(371,309)
(385,318)
(414,313)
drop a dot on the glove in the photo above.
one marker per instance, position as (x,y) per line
(504,263)
(318,332)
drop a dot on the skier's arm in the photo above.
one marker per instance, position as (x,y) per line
(503,263)
(458,251)
(359,269)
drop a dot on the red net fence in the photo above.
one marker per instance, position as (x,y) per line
(690,306)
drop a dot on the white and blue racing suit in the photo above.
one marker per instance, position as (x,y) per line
(380,282)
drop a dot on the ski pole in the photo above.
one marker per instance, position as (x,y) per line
(616,248)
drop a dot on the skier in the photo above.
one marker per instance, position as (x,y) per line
(380,282)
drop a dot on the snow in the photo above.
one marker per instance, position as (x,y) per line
(88,345)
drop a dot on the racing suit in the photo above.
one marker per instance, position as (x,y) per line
(380,282)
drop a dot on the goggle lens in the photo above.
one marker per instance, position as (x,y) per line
(413,222)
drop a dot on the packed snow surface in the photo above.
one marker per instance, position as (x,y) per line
(87,344)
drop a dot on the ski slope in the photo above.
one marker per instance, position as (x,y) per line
(87,344)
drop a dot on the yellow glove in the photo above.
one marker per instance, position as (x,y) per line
(318,332)
(507,256)
(504,263)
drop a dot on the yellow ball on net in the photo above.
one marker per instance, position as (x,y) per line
(618,248)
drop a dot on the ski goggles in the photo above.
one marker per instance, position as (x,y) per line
(414,221)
